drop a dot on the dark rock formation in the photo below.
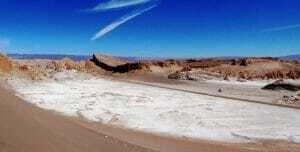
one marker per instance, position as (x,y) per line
(282,85)
(115,64)
(243,62)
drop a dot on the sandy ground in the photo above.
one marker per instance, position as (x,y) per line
(29,129)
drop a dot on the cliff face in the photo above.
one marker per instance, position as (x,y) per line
(245,68)
(114,64)
(5,64)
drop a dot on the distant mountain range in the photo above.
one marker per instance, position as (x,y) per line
(86,57)
(291,57)
(72,57)
(49,56)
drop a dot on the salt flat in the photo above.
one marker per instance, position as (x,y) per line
(158,110)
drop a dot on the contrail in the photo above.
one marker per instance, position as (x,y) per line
(282,28)
(114,4)
(121,21)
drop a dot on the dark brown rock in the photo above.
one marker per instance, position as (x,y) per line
(114,64)
(282,85)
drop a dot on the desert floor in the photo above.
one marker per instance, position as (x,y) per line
(27,128)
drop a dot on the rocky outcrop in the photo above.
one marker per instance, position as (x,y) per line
(177,76)
(194,75)
(283,85)
(6,64)
(68,64)
(289,100)
(115,64)
(38,70)
(182,76)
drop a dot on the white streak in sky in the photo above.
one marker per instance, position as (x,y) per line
(114,4)
(282,28)
(121,21)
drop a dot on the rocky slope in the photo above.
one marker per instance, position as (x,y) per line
(190,69)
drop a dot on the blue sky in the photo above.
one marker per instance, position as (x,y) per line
(177,28)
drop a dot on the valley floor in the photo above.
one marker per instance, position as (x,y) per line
(169,116)
(29,129)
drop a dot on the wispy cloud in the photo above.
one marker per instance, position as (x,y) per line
(121,21)
(282,28)
(115,4)
(4,43)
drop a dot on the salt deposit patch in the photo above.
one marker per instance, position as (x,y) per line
(256,83)
(160,110)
